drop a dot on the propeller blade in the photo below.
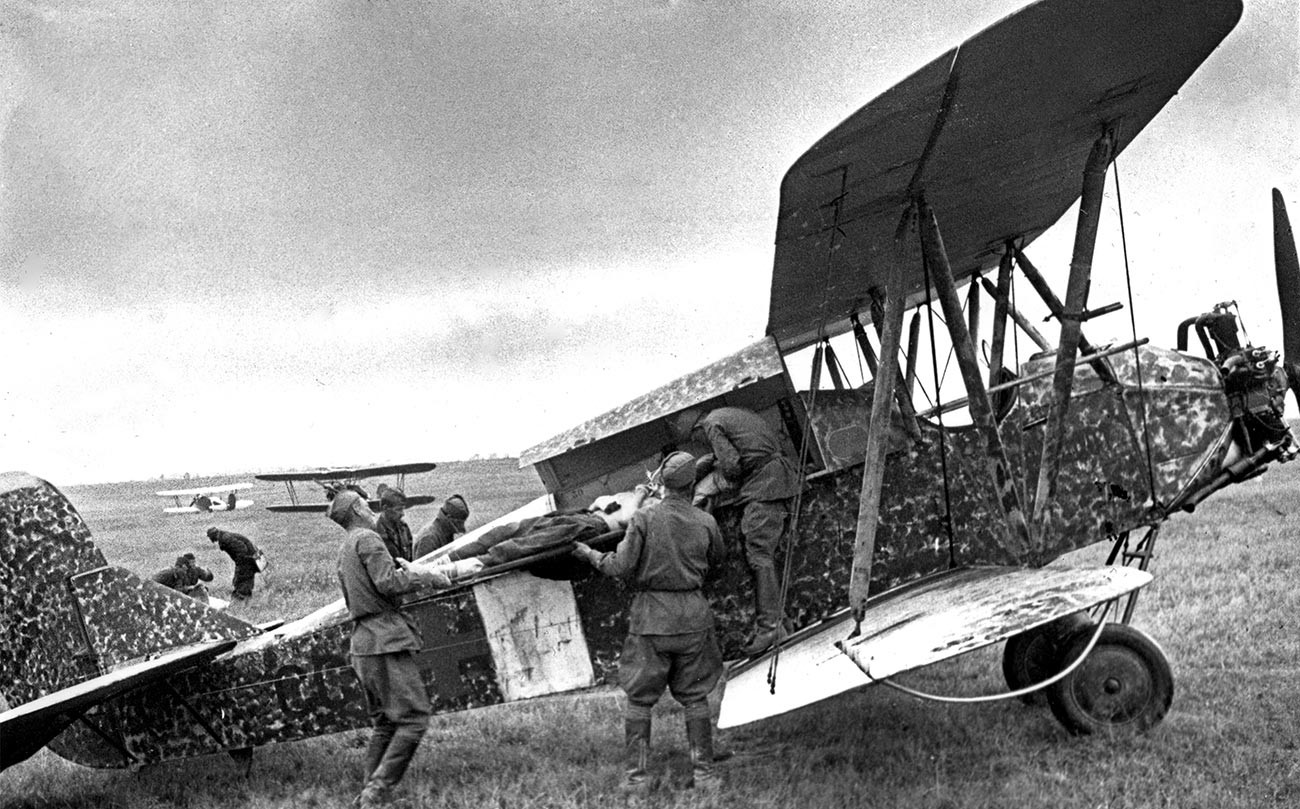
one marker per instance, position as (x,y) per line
(1288,291)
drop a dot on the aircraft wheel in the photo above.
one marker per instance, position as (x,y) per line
(1035,655)
(1125,686)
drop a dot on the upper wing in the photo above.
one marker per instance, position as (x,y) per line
(32,725)
(938,618)
(993,134)
(229,487)
(350,473)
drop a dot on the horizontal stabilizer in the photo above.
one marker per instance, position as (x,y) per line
(29,727)
(929,621)
(126,618)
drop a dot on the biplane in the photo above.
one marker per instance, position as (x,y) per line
(204,499)
(942,534)
(336,479)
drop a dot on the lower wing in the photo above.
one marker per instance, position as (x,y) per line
(915,625)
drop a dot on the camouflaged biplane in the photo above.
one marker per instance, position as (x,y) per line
(939,532)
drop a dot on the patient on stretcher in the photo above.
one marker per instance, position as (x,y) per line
(533,535)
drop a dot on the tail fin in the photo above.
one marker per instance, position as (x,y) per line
(67,615)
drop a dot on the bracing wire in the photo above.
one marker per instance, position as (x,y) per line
(943,443)
(1137,357)
(793,527)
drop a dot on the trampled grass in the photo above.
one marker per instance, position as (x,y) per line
(1223,608)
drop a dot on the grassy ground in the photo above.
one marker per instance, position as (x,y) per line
(1223,607)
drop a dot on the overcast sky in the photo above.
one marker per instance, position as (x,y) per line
(243,236)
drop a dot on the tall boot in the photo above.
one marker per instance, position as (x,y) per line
(769,628)
(396,758)
(636,734)
(704,774)
(379,739)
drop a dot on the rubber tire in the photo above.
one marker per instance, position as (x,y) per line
(1036,655)
(1124,688)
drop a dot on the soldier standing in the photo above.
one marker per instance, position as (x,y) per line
(669,549)
(383,645)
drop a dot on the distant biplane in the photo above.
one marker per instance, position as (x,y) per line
(940,534)
(205,499)
(336,479)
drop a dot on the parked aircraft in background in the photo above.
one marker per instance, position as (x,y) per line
(939,534)
(205,499)
(336,479)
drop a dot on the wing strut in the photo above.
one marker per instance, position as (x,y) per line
(909,376)
(1001,295)
(1071,318)
(1054,304)
(1021,321)
(902,396)
(873,473)
(1016,530)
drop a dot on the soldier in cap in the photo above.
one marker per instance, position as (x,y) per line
(391,527)
(449,523)
(383,644)
(185,575)
(244,554)
(668,551)
(748,454)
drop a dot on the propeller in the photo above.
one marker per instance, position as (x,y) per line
(1288,292)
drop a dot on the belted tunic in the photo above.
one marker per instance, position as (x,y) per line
(669,570)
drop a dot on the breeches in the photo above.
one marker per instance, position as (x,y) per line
(687,665)
(395,692)
(243,581)
(761,524)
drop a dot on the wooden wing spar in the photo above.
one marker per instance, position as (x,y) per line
(992,135)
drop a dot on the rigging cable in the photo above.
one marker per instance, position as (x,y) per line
(793,527)
(1137,357)
(1015,392)
(943,443)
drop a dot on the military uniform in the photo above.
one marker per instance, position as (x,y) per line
(396,535)
(445,527)
(667,552)
(383,646)
(184,576)
(244,554)
(747,452)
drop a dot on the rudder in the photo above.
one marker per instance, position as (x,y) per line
(68,615)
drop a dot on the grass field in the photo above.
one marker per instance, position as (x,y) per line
(1223,606)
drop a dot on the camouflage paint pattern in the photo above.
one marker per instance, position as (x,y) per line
(42,538)
(1103,489)
(126,618)
(297,688)
(296,681)
(760,360)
